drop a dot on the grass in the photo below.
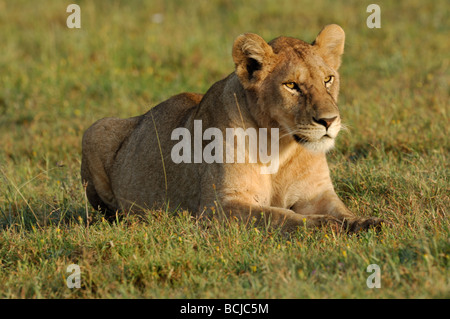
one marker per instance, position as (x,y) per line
(393,163)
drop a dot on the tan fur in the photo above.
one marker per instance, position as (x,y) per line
(127,163)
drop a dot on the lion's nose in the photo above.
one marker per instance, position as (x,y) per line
(325,121)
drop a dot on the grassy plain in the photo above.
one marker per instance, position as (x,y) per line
(393,162)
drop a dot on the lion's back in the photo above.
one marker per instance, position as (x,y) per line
(111,144)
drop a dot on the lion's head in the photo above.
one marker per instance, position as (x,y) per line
(293,84)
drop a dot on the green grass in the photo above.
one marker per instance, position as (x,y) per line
(392,163)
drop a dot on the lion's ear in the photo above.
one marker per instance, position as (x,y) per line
(330,44)
(251,55)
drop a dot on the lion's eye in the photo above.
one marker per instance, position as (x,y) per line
(328,80)
(292,86)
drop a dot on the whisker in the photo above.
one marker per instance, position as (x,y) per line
(345,128)
(289,131)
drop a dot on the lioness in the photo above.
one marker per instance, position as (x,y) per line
(286,84)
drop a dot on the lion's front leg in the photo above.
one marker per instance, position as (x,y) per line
(329,204)
(276,217)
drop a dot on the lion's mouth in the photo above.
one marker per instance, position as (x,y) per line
(303,140)
(300,140)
